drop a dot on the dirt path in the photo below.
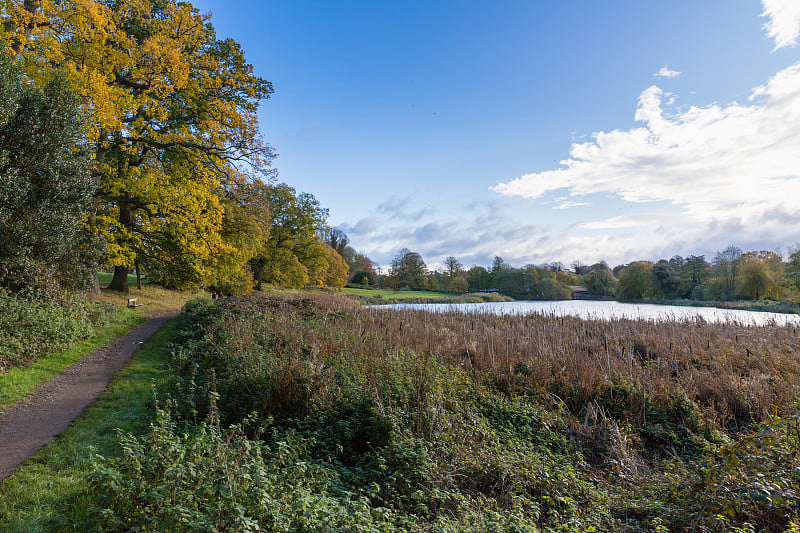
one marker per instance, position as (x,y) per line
(31,423)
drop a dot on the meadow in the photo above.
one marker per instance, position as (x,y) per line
(310,413)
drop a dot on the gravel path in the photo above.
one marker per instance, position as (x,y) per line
(28,425)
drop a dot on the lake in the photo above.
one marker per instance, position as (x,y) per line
(609,310)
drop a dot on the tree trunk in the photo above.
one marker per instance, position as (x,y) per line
(120,280)
(138,268)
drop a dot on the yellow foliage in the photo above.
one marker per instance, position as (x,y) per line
(336,274)
(170,111)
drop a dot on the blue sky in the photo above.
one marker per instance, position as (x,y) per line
(445,127)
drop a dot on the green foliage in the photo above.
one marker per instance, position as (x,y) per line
(634,282)
(380,440)
(33,325)
(600,282)
(408,271)
(45,185)
(204,478)
(752,484)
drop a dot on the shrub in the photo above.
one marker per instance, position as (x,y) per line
(33,325)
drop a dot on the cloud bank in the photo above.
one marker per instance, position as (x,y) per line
(783,21)
(726,167)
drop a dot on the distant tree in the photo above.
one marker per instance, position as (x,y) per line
(664,280)
(760,274)
(408,270)
(634,282)
(550,289)
(498,265)
(754,279)
(693,275)
(336,270)
(793,267)
(458,284)
(453,266)
(478,279)
(726,268)
(579,268)
(337,239)
(600,282)
(45,185)
(364,277)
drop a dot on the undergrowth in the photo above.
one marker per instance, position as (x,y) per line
(378,420)
(32,325)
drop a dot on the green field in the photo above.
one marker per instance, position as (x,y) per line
(397,295)
(105,279)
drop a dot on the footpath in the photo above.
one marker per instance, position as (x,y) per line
(31,423)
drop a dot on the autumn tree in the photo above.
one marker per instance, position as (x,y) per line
(294,254)
(760,274)
(172,112)
(336,271)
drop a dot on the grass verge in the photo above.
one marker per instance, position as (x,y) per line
(18,382)
(151,297)
(397,295)
(53,484)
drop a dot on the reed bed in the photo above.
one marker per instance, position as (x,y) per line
(736,373)
(455,422)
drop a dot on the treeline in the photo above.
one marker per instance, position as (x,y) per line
(409,271)
(129,140)
(729,276)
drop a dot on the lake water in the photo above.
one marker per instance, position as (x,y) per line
(610,310)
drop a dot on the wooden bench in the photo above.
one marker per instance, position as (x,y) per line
(133,302)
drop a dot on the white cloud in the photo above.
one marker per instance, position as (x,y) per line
(783,21)
(665,72)
(570,205)
(727,168)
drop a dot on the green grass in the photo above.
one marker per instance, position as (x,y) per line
(18,382)
(105,279)
(397,295)
(53,484)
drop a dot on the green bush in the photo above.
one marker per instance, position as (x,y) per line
(205,479)
(33,325)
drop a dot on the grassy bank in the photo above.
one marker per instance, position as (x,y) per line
(52,492)
(383,297)
(369,419)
